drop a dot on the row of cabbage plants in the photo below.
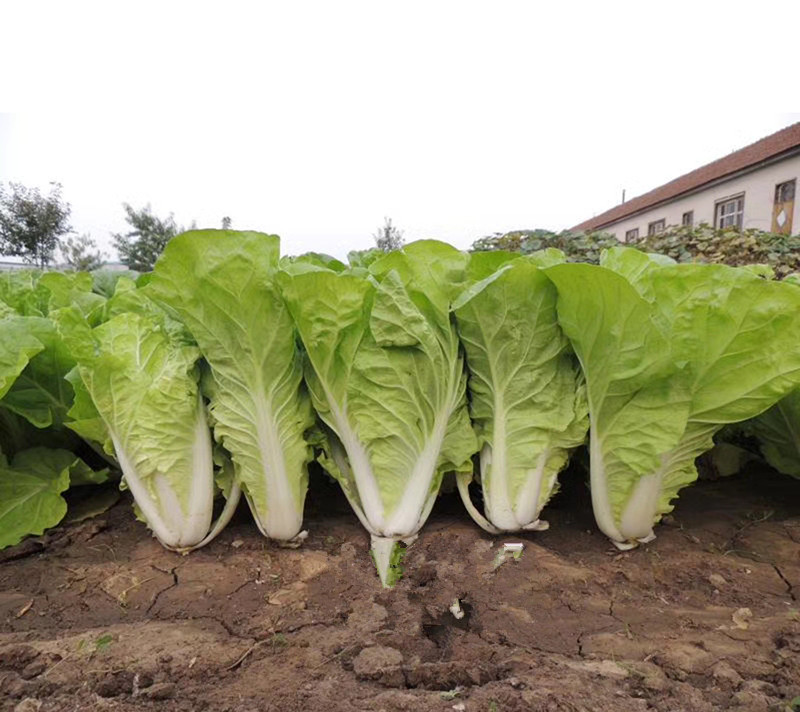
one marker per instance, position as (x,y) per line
(229,369)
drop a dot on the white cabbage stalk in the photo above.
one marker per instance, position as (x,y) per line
(402,521)
(181,522)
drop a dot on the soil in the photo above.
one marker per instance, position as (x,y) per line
(97,616)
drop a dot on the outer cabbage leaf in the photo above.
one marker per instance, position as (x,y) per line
(221,285)
(83,417)
(72,289)
(17,346)
(18,434)
(364,258)
(484,264)
(527,398)
(20,290)
(104,281)
(778,434)
(737,333)
(40,392)
(547,258)
(317,259)
(30,492)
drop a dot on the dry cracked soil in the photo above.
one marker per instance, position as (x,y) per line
(97,616)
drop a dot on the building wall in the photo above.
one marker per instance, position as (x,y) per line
(759,196)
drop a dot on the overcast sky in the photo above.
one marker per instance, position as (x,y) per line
(315,120)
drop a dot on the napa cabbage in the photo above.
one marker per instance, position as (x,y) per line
(386,375)
(143,381)
(40,457)
(671,353)
(220,284)
(526,393)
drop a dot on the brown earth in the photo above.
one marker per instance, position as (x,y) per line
(97,616)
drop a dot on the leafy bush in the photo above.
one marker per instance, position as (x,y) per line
(576,246)
(704,243)
(698,243)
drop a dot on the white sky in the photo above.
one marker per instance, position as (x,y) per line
(315,120)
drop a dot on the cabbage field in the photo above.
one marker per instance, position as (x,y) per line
(232,384)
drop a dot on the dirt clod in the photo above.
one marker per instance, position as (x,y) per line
(380,663)
(29,704)
(160,691)
(724,673)
(115,683)
(33,669)
(16,657)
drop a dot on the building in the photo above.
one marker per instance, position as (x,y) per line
(7,265)
(753,187)
(17,265)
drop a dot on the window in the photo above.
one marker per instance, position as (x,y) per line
(688,218)
(632,235)
(783,208)
(784,192)
(729,212)
(657,227)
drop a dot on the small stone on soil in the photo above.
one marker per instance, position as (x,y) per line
(717,581)
(742,617)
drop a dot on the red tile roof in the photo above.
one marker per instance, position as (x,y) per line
(769,147)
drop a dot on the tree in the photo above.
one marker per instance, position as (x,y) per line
(81,254)
(32,224)
(139,249)
(226,223)
(388,237)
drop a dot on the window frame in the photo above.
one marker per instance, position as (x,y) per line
(656,227)
(738,213)
(690,221)
(632,234)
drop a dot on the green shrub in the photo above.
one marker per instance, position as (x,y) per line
(698,243)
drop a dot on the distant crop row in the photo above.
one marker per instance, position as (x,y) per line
(228,369)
